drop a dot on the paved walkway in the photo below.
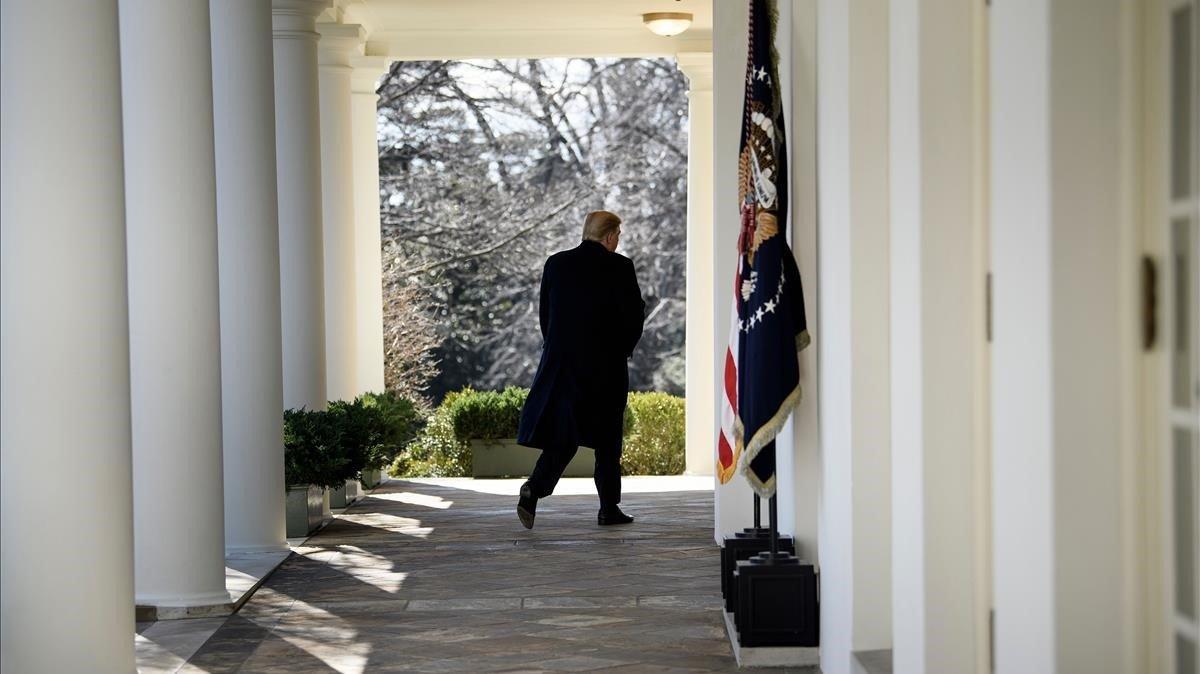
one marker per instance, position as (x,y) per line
(439,576)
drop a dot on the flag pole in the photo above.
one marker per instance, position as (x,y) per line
(757,512)
(774,528)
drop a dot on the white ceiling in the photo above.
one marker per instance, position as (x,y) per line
(421,29)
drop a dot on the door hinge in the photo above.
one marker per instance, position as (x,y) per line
(992,640)
(988,301)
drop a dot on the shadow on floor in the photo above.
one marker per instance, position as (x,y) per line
(426,577)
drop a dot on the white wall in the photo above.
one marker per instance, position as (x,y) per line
(1149,470)
(733,501)
(799,465)
(937,304)
(833,344)
(871,488)
(1087,340)
(1061,253)
(852,344)
(908,569)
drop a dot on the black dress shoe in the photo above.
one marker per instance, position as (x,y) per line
(527,506)
(613,515)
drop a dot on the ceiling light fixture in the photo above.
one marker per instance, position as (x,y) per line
(667,23)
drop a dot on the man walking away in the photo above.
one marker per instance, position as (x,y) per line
(591,312)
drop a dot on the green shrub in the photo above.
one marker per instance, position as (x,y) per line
(363,431)
(436,452)
(326,448)
(487,415)
(443,449)
(654,435)
(313,449)
(402,420)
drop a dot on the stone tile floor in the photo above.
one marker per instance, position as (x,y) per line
(439,576)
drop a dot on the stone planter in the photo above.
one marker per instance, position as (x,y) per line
(345,495)
(304,509)
(505,458)
(326,512)
(372,478)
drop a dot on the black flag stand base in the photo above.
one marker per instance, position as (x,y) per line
(743,545)
(771,592)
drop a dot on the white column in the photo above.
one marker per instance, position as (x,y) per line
(298,164)
(801,467)
(1064,254)
(338,44)
(854,506)
(368,253)
(66,568)
(248,229)
(938,336)
(175,376)
(700,379)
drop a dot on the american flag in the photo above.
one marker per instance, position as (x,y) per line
(768,328)
(729,446)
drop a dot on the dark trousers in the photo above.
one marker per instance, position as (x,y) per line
(551,464)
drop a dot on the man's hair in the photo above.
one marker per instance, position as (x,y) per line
(599,224)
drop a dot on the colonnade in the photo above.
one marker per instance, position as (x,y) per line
(181,259)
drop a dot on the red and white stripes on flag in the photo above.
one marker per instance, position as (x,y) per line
(729,442)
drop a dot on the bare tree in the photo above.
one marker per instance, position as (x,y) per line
(410,335)
(489,166)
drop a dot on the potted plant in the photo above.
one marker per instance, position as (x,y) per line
(361,433)
(313,461)
(401,422)
(345,494)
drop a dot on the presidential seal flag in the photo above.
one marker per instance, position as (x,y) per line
(768,330)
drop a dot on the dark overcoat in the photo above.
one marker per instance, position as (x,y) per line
(591,312)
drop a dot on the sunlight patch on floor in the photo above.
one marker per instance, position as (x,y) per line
(406,526)
(153,658)
(411,498)
(324,636)
(368,567)
(383,521)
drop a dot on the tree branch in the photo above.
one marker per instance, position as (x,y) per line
(500,244)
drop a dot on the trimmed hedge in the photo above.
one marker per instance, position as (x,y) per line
(326,448)
(653,430)
(487,415)
(655,436)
